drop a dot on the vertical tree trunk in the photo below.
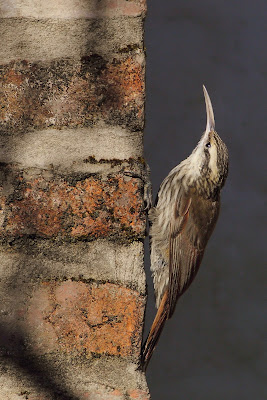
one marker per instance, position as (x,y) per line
(72,283)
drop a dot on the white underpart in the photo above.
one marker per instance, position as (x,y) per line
(213,162)
(195,161)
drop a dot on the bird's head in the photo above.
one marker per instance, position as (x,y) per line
(209,160)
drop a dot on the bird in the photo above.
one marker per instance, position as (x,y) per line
(181,222)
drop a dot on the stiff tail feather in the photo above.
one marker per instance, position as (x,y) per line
(155,331)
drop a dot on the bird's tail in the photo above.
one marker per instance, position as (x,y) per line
(155,331)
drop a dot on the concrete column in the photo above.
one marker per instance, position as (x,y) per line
(72,220)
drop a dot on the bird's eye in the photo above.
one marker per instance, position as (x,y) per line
(208,144)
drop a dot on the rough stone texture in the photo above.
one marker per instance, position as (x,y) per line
(72,180)
(88,382)
(73,149)
(72,8)
(64,93)
(72,207)
(52,300)
(34,40)
(78,317)
(29,261)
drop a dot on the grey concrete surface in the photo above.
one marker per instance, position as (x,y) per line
(66,146)
(45,39)
(213,348)
(68,9)
(100,260)
(76,376)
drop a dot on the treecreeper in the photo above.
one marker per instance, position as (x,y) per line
(181,223)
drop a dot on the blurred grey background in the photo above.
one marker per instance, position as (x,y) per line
(212,348)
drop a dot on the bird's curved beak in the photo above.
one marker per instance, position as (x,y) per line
(210,115)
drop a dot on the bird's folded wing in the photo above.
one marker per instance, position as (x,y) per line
(185,254)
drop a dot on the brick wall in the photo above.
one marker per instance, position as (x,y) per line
(72,221)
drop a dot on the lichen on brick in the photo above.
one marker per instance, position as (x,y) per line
(73,207)
(66,93)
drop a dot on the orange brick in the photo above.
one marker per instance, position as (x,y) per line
(137,394)
(88,318)
(85,208)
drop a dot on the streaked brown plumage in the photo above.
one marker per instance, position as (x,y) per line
(182,222)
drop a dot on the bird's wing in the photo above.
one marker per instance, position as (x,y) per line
(190,229)
(193,221)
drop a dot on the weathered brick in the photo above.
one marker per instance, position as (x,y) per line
(71,171)
(137,394)
(74,207)
(67,93)
(100,394)
(34,396)
(88,318)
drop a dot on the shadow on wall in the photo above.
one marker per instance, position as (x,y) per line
(13,339)
(42,374)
